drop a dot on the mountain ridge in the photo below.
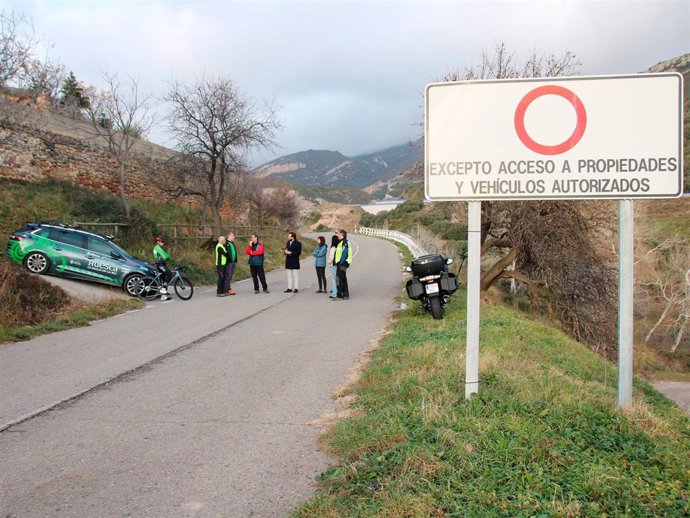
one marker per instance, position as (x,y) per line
(330,168)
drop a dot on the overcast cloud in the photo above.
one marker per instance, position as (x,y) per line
(348,75)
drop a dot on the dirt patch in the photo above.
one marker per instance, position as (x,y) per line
(675,208)
(336,216)
(26,299)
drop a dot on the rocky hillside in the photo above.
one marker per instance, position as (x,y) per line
(681,64)
(331,168)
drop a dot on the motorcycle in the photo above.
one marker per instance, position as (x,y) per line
(431,282)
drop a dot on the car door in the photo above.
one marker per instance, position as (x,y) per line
(67,253)
(105,263)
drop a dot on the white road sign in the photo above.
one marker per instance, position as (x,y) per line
(562,138)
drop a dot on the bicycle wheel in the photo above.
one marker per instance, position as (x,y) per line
(183,287)
(150,289)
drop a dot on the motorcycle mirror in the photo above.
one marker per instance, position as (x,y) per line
(449,260)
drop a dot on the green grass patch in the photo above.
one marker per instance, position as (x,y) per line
(21,202)
(543,438)
(665,228)
(80,317)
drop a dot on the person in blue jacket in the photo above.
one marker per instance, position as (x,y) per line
(319,254)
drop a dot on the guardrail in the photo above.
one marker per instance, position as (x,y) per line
(415,248)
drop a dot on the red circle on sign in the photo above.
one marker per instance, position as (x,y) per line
(563,146)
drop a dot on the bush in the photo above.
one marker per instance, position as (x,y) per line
(26,299)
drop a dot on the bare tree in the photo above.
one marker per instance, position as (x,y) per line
(43,79)
(669,287)
(282,204)
(214,126)
(120,116)
(17,44)
(547,246)
(259,203)
(502,64)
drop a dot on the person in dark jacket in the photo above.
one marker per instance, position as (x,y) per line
(320,259)
(256,252)
(221,262)
(231,264)
(293,249)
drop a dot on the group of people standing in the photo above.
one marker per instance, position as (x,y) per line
(338,256)
(226,262)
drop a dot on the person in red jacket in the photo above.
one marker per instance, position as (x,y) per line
(256,252)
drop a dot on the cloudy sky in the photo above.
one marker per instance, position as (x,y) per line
(344,75)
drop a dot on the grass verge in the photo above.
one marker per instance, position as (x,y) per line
(74,317)
(542,439)
(21,202)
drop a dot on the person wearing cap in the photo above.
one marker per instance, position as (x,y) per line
(160,258)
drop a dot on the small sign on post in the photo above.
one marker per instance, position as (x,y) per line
(602,137)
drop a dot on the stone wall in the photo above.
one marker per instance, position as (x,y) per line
(43,145)
(32,154)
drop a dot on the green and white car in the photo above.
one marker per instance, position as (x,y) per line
(50,248)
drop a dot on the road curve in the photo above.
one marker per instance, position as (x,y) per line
(198,408)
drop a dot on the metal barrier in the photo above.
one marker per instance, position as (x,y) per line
(415,248)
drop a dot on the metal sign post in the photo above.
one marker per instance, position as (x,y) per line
(474,225)
(568,138)
(625,302)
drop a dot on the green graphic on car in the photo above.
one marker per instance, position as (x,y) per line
(71,252)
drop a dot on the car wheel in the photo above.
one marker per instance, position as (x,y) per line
(36,262)
(133,284)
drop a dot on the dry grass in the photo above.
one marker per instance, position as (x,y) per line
(26,299)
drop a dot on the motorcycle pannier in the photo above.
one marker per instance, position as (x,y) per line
(449,283)
(415,289)
(431,264)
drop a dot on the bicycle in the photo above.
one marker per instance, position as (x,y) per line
(151,286)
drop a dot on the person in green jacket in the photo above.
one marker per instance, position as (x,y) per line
(231,264)
(160,258)
(221,261)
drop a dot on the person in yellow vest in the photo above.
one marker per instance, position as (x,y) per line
(343,260)
(221,261)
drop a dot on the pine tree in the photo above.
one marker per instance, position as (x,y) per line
(73,99)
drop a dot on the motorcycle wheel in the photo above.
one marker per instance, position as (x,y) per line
(436,308)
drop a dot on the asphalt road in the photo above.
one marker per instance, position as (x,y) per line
(678,391)
(199,408)
(85,291)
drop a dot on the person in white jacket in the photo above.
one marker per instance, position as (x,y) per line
(334,267)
